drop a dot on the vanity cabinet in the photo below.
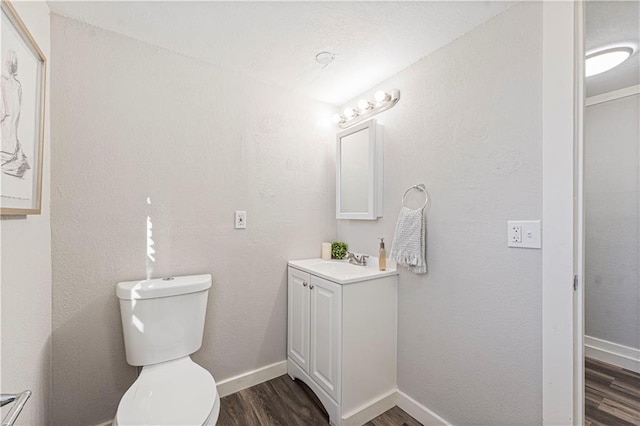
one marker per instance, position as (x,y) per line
(314,316)
(299,297)
(342,343)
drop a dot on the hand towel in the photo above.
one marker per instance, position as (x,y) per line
(408,247)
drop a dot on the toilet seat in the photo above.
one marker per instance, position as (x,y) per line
(177,392)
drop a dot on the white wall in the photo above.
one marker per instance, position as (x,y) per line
(25,356)
(133,121)
(469,127)
(612,276)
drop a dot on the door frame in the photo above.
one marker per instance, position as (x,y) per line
(579,223)
(562,213)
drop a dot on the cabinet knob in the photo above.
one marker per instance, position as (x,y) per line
(304,283)
(311,287)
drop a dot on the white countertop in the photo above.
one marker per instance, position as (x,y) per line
(343,272)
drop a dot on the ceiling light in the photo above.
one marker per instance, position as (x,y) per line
(604,60)
(324,58)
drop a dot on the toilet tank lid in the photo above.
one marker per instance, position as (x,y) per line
(162,287)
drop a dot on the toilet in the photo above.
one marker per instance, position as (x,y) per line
(163,324)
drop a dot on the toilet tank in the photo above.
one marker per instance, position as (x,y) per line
(163,319)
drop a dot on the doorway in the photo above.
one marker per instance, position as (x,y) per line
(611,206)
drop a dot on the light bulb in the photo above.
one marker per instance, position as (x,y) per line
(381,96)
(337,118)
(364,105)
(350,112)
(599,62)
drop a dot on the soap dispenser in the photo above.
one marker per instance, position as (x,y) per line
(382,256)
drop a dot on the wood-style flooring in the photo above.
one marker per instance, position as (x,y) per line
(612,395)
(282,401)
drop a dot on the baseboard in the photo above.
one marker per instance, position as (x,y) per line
(358,416)
(419,411)
(612,353)
(371,410)
(251,378)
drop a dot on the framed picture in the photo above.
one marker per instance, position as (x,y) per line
(22,107)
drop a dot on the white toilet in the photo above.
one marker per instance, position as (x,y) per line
(163,323)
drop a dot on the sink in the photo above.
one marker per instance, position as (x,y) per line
(343,272)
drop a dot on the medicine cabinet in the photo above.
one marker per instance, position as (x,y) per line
(359,167)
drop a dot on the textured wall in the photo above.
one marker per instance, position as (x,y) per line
(25,332)
(469,127)
(132,121)
(612,240)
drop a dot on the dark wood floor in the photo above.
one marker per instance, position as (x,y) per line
(282,401)
(612,395)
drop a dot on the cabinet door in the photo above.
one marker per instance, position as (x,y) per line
(326,335)
(298,318)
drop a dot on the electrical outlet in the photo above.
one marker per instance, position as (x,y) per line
(240,219)
(515,234)
(524,234)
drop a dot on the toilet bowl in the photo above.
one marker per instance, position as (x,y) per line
(177,392)
(163,323)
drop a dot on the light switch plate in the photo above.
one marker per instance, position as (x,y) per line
(240,219)
(524,234)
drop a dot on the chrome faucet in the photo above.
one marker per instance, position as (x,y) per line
(355,260)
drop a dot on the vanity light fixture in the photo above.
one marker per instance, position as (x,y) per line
(383,100)
(350,113)
(381,96)
(364,105)
(605,59)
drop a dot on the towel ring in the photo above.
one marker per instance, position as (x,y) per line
(419,187)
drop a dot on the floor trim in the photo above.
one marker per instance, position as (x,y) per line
(251,378)
(612,353)
(371,409)
(419,411)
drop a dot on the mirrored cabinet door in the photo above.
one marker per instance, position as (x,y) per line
(359,172)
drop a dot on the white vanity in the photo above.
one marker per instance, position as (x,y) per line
(342,333)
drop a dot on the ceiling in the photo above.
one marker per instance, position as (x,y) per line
(609,23)
(276,42)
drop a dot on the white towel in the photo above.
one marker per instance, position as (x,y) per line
(408,247)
